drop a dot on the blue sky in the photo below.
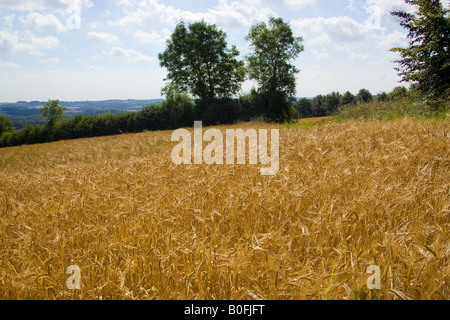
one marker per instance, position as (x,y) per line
(107,49)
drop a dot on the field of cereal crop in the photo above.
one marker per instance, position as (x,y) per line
(348,195)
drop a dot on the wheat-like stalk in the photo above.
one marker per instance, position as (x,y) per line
(349,194)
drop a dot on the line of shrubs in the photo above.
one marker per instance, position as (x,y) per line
(180,111)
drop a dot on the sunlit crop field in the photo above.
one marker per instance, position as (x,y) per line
(347,196)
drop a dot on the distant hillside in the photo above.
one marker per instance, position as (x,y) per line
(23,112)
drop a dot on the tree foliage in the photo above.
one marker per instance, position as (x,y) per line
(5,124)
(426,62)
(200,63)
(274,48)
(364,95)
(348,98)
(52,112)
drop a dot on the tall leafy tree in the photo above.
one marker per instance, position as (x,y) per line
(331,102)
(426,62)
(317,106)
(304,108)
(200,63)
(53,112)
(348,98)
(5,124)
(270,65)
(364,95)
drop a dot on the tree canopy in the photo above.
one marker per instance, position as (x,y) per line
(426,62)
(5,124)
(53,112)
(200,63)
(274,48)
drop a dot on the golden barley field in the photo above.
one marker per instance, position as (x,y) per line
(348,195)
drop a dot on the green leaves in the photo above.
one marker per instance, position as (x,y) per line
(5,124)
(426,62)
(274,48)
(53,112)
(199,62)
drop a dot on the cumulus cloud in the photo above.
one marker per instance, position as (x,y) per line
(319,55)
(152,37)
(13,42)
(103,37)
(394,39)
(8,21)
(359,57)
(42,22)
(44,5)
(128,55)
(387,6)
(332,31)
(234,14)
(226,14)
(94,68)
(7,64)
(290,4)
(125,3)
(342,32)
(49,61)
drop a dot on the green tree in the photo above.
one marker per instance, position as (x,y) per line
(382,97)
(275,47)
(317,106)
(348,98)
(364,95)
(199,62)
(5,124)
(304,108)
(53,112)
(398,93)
(331,102)
(426,61)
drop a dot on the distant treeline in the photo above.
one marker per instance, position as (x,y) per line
(326,105)
(180,111)
(23,113)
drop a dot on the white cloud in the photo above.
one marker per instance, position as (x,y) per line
(94,68)
(7,64)
(333,31)
(290,4)
(103,37)
(148,37)
(58,72)
(125,3)
(49,61)
(225,13)
(394,39)
(8,21)
(152,37)
(320,55)
(41,22)
(359,57)
(132,18)
(41,5)
(233,14)
(128,55)
(13,42)
(390,5)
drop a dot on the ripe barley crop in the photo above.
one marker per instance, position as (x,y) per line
(348,195)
